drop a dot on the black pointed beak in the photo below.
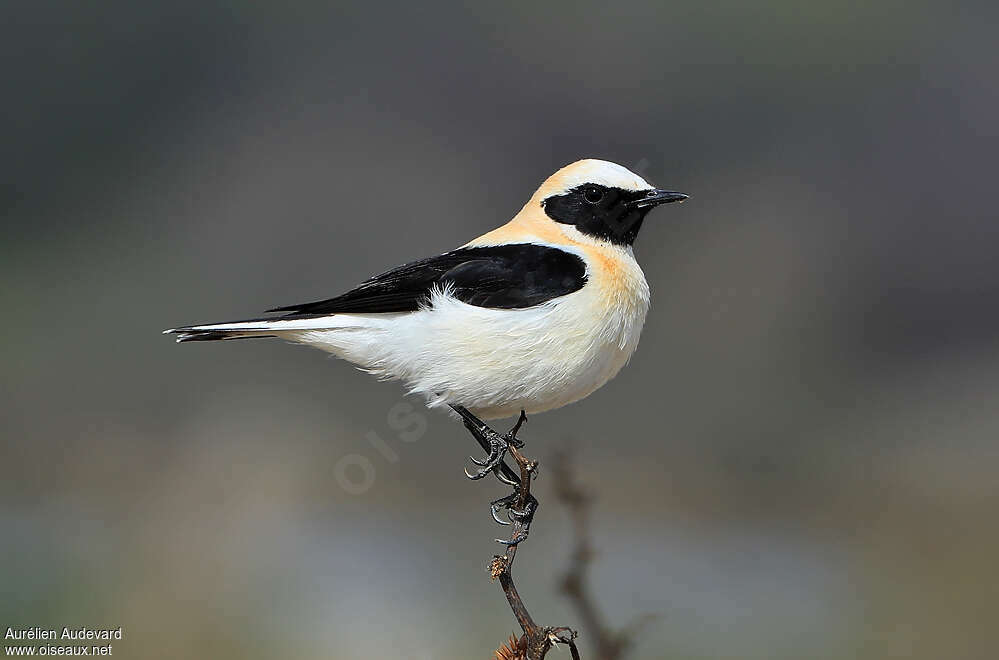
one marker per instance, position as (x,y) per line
(657,197)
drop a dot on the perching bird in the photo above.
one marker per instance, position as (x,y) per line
(531,316)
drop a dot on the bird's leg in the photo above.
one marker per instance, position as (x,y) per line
(494,444)
(511,435)
(510,502)
(521,505)
(523,516)
(518,512)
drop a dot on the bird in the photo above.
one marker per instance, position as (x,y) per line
(531,316)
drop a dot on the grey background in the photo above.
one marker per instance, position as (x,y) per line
(800,462)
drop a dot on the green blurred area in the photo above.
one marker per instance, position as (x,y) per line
(800,462)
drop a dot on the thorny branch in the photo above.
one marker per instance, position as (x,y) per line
(536,640)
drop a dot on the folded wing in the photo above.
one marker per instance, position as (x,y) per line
(503,276)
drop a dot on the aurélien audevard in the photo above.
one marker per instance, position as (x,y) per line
(83,633)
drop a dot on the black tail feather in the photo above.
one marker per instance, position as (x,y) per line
(185,335)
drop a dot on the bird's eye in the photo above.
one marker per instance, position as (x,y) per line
(593,195)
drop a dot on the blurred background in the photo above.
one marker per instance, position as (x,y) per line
(801,461)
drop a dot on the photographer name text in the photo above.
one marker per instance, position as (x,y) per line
(69,634)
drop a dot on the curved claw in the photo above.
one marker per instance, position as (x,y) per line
(494,444)
(477,475)
(494,510)
(525,515)
(521,516)
(517,540)
(501,503)
(491,463)
(503,479)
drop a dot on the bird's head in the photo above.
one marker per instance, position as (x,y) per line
(601,199)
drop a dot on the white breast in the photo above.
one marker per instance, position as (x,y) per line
(496,362)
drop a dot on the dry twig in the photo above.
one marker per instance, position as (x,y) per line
(609,644)
(536,641)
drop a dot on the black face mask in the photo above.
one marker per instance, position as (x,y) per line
(612,214)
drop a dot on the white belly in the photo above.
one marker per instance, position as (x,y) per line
(496,362)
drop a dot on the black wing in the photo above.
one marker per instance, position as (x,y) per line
(502,276)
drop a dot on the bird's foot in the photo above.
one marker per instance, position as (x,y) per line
(502,503)
(519,505)
(495,444)
(498,446)
(524,516)
(509,503)
(511,435)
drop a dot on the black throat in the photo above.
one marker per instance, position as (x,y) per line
(600,211)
